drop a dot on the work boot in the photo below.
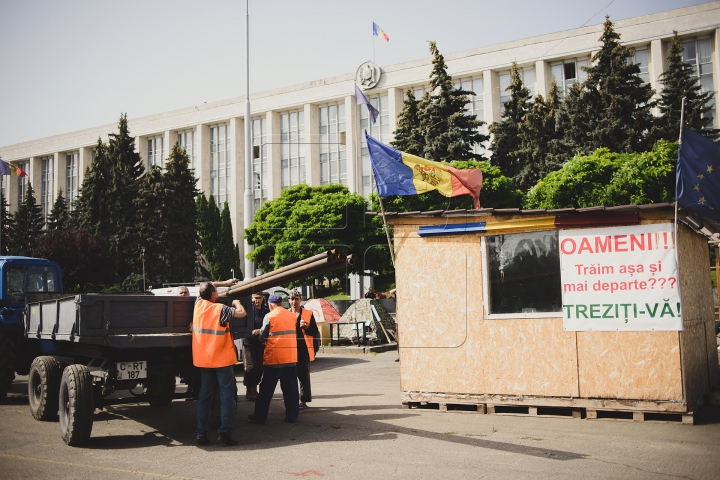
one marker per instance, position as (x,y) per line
(227,440)
(202,440)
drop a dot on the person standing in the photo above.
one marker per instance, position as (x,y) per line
(253,372)
(306,329)
(214,354)
(370,294)
(279,362)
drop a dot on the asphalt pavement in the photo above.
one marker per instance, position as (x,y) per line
(356,428)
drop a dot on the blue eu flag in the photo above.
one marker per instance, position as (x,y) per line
(697,182)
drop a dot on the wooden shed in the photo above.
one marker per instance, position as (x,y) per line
(478,334)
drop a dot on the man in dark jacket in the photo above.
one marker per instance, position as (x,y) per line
(306,329)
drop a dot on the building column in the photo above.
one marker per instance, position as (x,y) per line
(11,192)
(202,167)
(542,78)
(34,176)
(168,141)
(59,175)
(236,182)
(312,137)
(273,153)
(716,70)
(142,148)
(395,106)
(657,64)
(491,96)
(84,162)
(352,145)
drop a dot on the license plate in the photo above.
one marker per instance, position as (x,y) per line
(131,370)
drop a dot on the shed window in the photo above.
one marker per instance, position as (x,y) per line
(524,273)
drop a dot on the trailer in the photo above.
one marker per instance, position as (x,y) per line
(93,345)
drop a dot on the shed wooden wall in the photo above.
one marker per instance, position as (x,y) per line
(447,345)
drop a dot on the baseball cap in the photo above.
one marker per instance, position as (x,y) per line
(275,299)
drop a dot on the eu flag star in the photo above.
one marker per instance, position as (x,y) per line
(701,200)
(697,187)
(701,176)
(709,169)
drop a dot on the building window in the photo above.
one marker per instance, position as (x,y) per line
(220,163)
(379,131)
(524,273)
(527,75)
(46,185)
(22,181)
(476,105)
(155,151)
(568,72)
(333,156)
(292,148)
(186,140)
(260,162)
(71,178)
(641,60)
(419,91)
(698,53)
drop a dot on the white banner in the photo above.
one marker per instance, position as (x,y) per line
(620,278)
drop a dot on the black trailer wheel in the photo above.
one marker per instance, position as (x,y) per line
(44,388)
(8,362)
(162,389)
(76,405)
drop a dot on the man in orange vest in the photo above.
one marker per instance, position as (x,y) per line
(279,360)
(306,328)
(215,355)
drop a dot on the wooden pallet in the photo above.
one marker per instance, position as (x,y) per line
(687,418)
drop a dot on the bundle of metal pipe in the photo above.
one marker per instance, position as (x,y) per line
(309,267)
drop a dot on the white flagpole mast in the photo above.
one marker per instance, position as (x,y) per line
(387,232)
(682,120)
(248,197)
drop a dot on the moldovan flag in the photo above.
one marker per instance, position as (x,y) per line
(697,182)
(4,168)
(399,173)
(378,32)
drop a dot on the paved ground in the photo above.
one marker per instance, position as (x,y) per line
(356,429)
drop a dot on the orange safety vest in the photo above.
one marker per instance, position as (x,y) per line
(281,344)
(212,344)
(307,315)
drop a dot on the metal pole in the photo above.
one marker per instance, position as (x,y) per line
(387,232)
(143,256)
(248,197)
(682,119)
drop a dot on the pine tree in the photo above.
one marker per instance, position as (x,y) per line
(612,107)
(127,171)
(182,217)
(678,81)
(6,225)
(92,208)
(27,224)
(151,229)
(506,140)
(59,218)
(540,140)
(226,246)
(450,132)
(209,225)
(408,136)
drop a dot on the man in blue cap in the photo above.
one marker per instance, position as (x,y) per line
(279,362)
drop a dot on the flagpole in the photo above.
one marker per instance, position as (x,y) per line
(373,47)
(387,232)
(682,119)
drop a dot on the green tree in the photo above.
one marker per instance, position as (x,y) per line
(609,179)
(93,204)
(209,225)
(449,131)
(181,216)
(305,221)
(611,108)
(408,136)
(151,229)
(679,80)
(539,140)
(506,153)
(59,218)
(6,224)
(226,245)
(27,224)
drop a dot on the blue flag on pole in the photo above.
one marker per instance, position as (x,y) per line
(697,182)
(4,167)
(360,98)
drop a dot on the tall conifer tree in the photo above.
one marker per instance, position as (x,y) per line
(92,208)
(450,132)
(612,107)
(7,226)
(678,81)
(151,228)
(59,218)
(408,136)
(181,212)
(27,224)
(226,247)
(505,134)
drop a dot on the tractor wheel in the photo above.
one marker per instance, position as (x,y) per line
(44,388)
(77,405)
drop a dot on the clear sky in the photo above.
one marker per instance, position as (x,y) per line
(74,64)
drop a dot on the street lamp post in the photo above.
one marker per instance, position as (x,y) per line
(143,260)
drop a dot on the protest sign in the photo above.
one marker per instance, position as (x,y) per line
(620,278)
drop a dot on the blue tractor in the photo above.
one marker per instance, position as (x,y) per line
(20,276)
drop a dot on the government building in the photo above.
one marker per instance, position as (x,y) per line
(312,132)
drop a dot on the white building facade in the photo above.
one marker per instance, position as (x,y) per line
(312,133)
